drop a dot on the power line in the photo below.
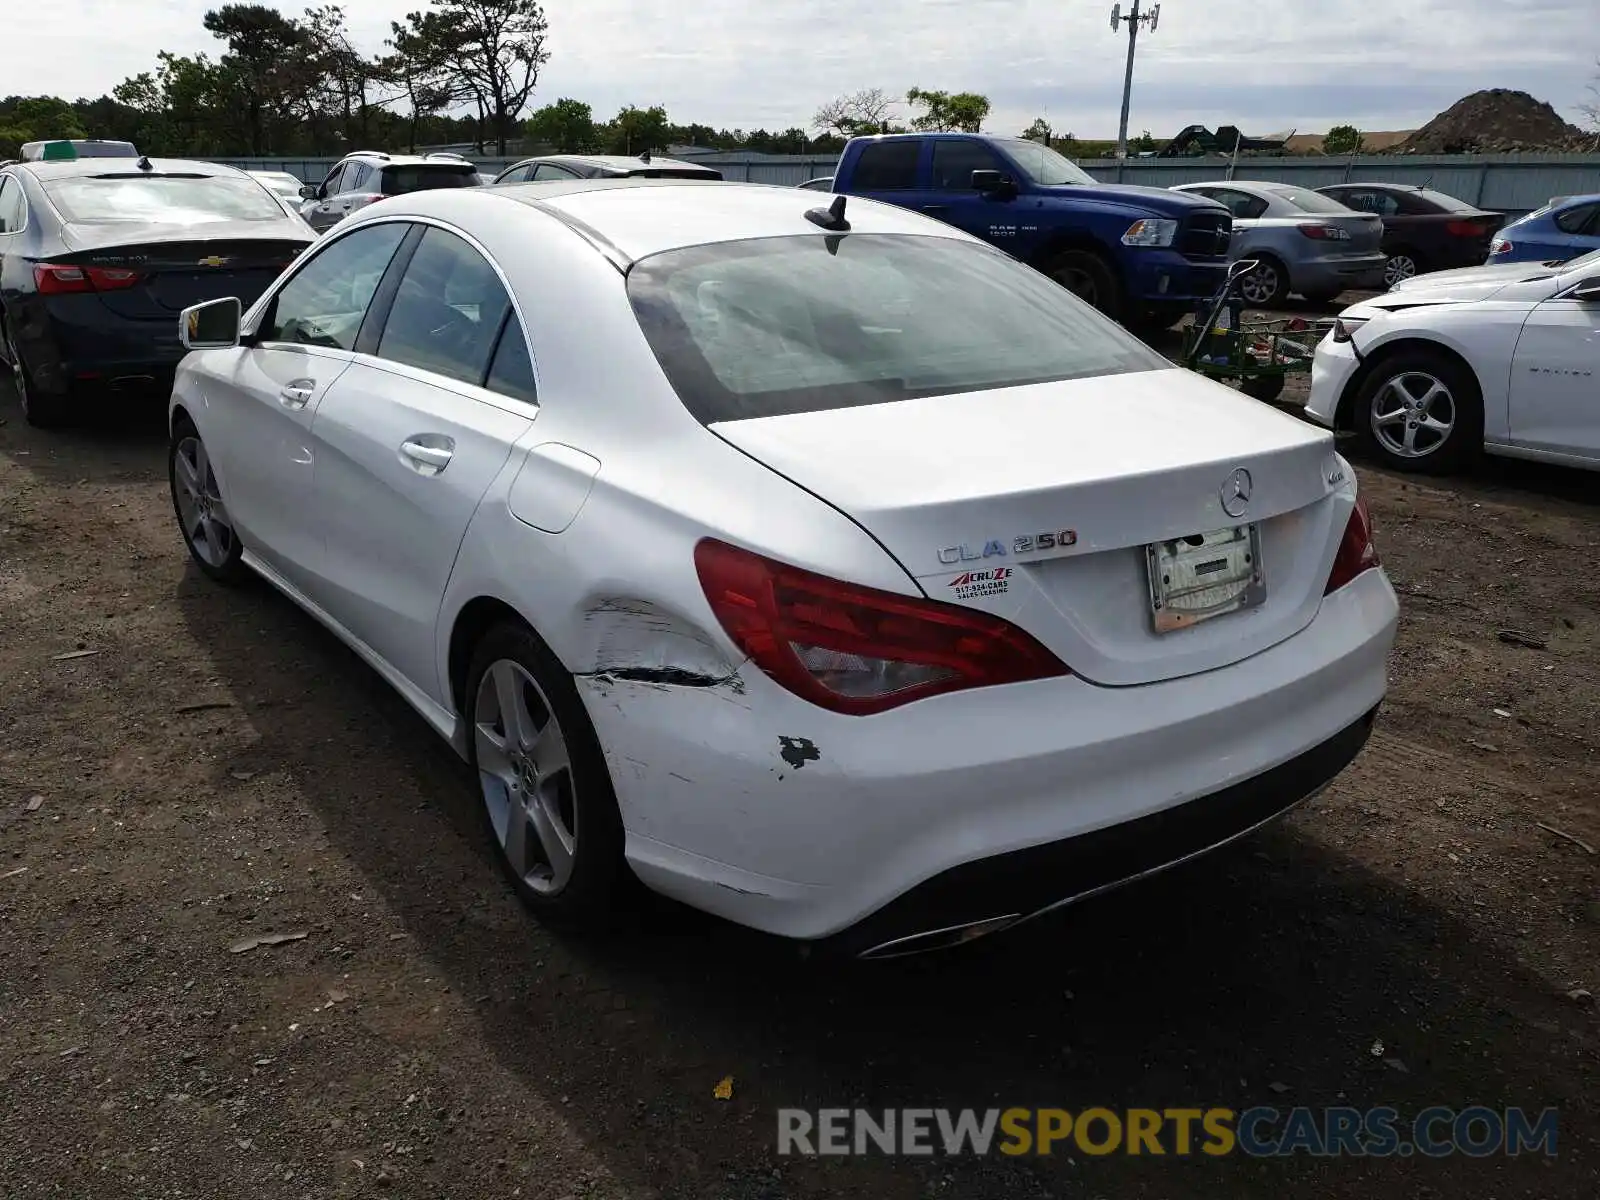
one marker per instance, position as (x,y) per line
(1134,18)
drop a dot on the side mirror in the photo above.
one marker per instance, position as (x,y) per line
(213,325)
(1587,291)
(992,183)
(308,192)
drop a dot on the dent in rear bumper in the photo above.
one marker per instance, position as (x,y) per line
(765,810)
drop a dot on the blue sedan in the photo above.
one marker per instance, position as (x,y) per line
(1563,229)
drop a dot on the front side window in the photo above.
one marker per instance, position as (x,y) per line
(448,311)
(514,175)
(330,185)
(326,300)
(802,324)
(161,199)
(954,161)
(1242,205)
(13,207)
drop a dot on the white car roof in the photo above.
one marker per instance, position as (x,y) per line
(636,218)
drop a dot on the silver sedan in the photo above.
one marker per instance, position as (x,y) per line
(1304,242)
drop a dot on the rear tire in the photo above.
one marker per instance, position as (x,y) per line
(1090,278)
(546,793)
(1401,265)
(38,409)
(1420,411)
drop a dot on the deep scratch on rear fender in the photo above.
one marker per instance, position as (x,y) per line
(642,642)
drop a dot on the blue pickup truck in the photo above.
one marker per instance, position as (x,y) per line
(1142,255)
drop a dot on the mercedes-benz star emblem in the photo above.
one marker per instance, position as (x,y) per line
(1236,493)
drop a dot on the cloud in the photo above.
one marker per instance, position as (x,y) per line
(727,63)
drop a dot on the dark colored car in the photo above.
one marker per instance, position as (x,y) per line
(602,166)
(1423,230)
(364,177)
(99,256)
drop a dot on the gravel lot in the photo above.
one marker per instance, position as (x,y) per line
(183,767)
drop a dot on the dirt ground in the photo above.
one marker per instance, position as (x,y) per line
(183,767)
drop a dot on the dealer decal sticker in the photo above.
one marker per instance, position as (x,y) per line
(974,585)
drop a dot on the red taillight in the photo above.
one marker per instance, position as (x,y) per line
(56,279)
(1358,553)
(855,649)
(1465,228)
(1324,233)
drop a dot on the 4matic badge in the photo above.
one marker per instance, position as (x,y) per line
(973,585)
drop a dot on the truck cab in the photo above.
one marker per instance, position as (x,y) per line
(1143,255)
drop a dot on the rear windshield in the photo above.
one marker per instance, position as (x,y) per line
(397,181)
(804,324)
(169,199)
(1308,201)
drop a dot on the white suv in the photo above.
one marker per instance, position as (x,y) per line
(367,175)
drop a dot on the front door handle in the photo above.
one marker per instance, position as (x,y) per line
(428,453)
(297,394)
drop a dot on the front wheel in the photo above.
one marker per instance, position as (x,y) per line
(547,794)
(1088,276)
(1421,411)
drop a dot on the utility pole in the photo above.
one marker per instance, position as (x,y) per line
(1135,18)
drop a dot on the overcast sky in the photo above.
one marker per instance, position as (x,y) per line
(1265,65)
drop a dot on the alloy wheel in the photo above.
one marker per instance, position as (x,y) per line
(1413,414)
(525,774)
(205,519)
(19,377)
(1398,267)
(1260,285)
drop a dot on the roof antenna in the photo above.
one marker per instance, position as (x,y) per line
(144,163)
(832,217)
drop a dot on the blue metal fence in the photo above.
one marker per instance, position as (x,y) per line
(1509,183)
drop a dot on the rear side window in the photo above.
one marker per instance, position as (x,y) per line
(546,171)
(1580,218)
(511,372)
(169,199)
(448,311)
(1308,201)
(786,325)
(887,166)
(1241,204)
(326,300)
(1381,203)
(13,207)
(355,175)
(398,181)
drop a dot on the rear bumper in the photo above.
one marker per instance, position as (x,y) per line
(743,800)
(996,893)
(1362,272)
(1167,277)
(76,343)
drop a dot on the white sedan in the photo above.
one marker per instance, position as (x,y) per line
(1504,359)
(826,569)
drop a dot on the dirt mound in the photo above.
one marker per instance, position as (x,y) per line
(1497,121)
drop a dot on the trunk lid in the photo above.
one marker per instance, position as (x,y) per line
(177,269)
(949,484)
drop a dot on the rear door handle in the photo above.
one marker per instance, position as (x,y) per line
(297,394)
(428,453)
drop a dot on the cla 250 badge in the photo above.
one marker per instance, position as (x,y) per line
(1021,547)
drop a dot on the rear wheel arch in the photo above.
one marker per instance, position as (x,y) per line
(472,624)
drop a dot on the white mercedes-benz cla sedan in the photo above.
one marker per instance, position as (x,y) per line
(822,567)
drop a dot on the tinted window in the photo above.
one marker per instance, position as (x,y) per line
(397,181)
(1308,201)
(331,184)
(1382,203)
(955,161)
(1241,204)
(511,372)
(887,166)
(173,199)
(1578,219)
(354,176)
(551,171)
(447,312)
(13,208)
(325,301)
(515,175)
(783,325)
(1043,165)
